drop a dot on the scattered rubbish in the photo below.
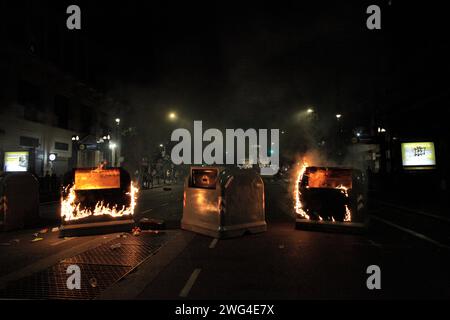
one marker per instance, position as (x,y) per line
(151,224)
(56,229)
(43,231)
(93,282)
(115,246)
(136,231)
(37,239)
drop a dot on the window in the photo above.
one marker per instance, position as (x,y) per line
(29,142)
(61,146)
(204,178)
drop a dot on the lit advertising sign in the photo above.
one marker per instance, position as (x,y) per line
(16,161)
(418,155)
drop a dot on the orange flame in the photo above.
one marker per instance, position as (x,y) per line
(298,204)
(71,211)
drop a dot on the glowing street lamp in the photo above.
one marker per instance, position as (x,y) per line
(117,121)
(310,110)
(172,116)
(338,116)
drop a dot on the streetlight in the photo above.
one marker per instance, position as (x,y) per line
(112,145)
(172,116)
(338,116)
(310,110)
(161,145)
(117,121)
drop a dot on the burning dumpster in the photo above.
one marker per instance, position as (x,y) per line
(97,201)
(223,202)
(330,196)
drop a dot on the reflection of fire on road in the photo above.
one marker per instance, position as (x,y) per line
(318,182)
(96,180)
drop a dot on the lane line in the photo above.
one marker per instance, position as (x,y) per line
(190,283)
(146,211)
(213,243)
(61,241)
(411,232)
(375,244)
(164,204)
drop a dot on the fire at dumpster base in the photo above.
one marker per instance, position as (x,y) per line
(98,193)
(71,210)
(322,193)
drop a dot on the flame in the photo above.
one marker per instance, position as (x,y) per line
(70,211)
(348,213)
(298,204)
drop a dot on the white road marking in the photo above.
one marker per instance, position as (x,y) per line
(164,204)
(375,244)
(213,243)
(60,242)
(189,284)
(411,232)
(146,211)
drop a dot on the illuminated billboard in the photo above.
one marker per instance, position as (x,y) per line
(418,155)
(16,161)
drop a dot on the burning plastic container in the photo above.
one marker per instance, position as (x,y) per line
(330,196)
(223,202)
(19,201)
(97,201)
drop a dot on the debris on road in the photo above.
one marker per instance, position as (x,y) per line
(151,224)
(115,246)
(136,231)
(37,239)
(93,282)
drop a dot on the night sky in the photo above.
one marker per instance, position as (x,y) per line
(255,64)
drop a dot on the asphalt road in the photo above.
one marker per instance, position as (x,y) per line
(285,263)
(282,263)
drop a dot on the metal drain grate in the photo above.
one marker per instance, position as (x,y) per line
(51,283)
(103,265)
(129,251)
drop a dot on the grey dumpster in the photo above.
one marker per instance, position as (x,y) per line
(223,202)
(19,196)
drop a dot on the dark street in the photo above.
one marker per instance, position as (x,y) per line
(283,263)
(211,159)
